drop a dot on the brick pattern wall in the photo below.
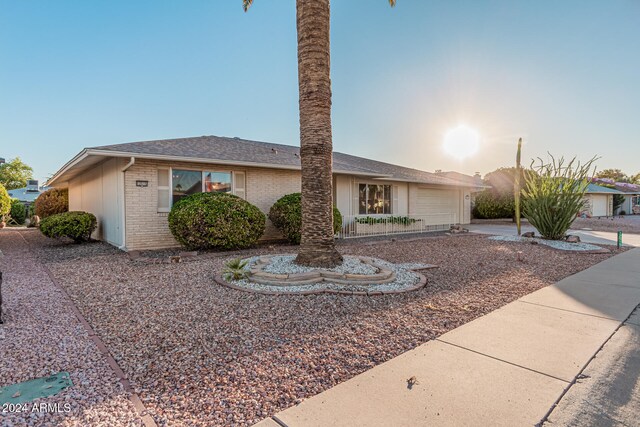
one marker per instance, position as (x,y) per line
(146,228)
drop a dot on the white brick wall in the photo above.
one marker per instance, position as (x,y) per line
(146,228)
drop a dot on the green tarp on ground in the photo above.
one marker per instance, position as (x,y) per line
(35,389)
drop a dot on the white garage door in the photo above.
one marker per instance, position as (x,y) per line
(599,205)
(439,206)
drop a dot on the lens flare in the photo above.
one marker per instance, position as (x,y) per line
(461,142)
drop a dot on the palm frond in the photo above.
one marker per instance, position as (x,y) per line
(392,3)
(246,4)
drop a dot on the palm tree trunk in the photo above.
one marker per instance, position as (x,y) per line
(317,246)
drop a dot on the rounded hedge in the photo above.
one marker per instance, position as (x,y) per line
(5,202)
(216,221)
(491,205)
(18,211)
(76,225)
(286,215)
(51,202)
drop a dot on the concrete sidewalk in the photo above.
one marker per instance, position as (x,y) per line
(508,368)
(594,237)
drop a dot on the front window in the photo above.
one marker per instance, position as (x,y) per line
(374,199)
(217,182)
(185,182)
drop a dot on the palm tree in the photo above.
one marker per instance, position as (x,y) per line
(317,245)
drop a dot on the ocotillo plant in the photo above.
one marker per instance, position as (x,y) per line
(516,186)
(554,195)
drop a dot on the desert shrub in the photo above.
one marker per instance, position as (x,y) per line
(235,269)
(18,211)
(215,220)
(76,225)
(492,205)
(5,202)
(554,196)
(51,202)
(286,215)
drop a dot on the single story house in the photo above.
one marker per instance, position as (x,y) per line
(598,201)
(131,187)
(27,195)
(631,202)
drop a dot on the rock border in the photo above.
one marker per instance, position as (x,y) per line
(384,275)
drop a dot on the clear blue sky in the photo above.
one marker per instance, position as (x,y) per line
(563,74)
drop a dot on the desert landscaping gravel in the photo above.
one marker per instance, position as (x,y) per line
(41,336)
(560,245)
(201,354)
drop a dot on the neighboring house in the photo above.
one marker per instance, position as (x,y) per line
(598,201)
(27,195)
(631,203)
(131,187)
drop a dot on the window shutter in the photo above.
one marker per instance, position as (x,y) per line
(239,184)
(164,190)
(355,203)
(394,195)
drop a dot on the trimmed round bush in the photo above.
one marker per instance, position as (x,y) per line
(286,215)
(76,225)
(51,202)
(491,205)
(5,202)
(216,221)
(18,211)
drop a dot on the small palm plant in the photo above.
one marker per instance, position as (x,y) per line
(235,269)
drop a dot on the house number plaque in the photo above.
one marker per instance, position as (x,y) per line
(142,183)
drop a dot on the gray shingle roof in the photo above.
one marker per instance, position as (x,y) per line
(245,151)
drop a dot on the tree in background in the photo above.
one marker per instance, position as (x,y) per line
(554,195)
(614,174)
(15,173)
(5,202)
(635,179)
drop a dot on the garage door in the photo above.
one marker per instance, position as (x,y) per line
(438,206)
(599,205)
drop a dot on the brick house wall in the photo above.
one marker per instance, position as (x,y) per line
(146,228)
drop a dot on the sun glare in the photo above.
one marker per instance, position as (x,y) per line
(461,142)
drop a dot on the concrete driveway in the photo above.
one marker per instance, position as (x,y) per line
(595,237)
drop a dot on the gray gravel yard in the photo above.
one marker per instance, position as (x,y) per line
(627,224)
(203,354)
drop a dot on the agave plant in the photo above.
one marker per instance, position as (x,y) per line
(554,195)
(235,269)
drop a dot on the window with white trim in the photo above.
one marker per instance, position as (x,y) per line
(174,184)
(374,199)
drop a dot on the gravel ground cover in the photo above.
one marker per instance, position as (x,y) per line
(555,244)
(41,336)
(627,224)
(201,354)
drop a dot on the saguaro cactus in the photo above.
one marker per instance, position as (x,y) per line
(516,186)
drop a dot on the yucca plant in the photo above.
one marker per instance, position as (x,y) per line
(554,195)
(235,269)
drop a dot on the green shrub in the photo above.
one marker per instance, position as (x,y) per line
(492,205)
(553,198)
(235,270)
(18,211)
(76,225)
(215,220)
(51,202)
(286,215)
(5,202)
